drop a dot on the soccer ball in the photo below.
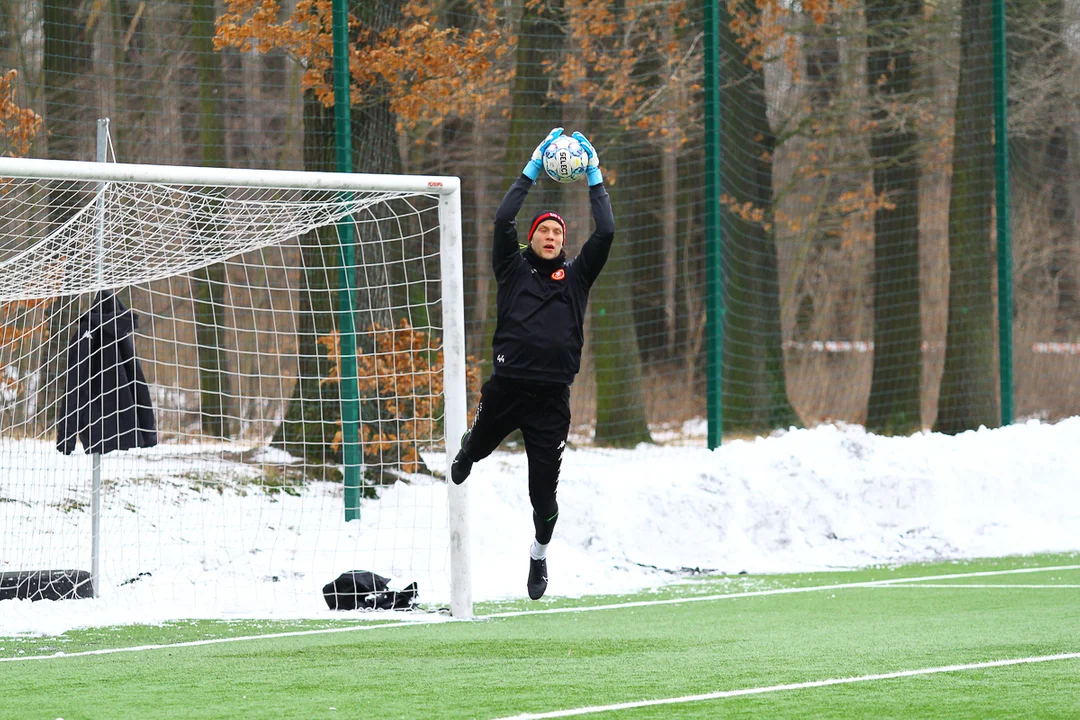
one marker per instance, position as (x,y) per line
(565,160)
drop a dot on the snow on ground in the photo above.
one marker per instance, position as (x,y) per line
(212,540)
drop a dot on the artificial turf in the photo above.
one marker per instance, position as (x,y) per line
(509,663)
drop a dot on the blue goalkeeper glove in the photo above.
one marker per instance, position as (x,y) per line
(536,164)
(592,172)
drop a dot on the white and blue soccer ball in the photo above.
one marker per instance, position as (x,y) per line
(565,160)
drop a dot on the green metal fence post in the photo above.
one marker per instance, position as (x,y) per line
(1001,190)
(714,322)
(350,403)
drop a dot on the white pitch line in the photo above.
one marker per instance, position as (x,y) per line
(553,611)
(981,587)
(790,686)
(780,591)
(219,641)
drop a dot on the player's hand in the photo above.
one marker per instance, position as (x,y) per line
(592,173)
(536,163)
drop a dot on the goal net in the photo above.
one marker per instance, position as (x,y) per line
(222,389)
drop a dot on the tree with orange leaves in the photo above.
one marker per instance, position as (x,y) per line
(425,71)
(401,388)
(408,73)
(21,322)
(18,126)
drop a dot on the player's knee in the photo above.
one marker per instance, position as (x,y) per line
(545,507)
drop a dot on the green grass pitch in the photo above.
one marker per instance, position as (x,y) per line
(701,637)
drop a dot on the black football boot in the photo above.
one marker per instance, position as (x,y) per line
(537,578)
(462,465)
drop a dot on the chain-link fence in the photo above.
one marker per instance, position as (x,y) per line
(856,194)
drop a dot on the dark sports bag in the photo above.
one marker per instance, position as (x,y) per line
(364,589)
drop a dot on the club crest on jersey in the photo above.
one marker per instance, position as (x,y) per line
(558,274)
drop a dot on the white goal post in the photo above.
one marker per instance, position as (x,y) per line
(258,337)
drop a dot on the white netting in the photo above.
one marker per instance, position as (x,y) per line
(238,508)
(50,231)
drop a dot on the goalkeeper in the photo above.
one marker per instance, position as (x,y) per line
(537,343)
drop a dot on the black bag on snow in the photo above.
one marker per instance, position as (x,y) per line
(365,589)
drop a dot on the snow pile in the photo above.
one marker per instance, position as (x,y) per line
(629,519)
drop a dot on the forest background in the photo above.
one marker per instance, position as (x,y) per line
(857,193)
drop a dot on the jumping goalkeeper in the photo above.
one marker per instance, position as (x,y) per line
(537,344)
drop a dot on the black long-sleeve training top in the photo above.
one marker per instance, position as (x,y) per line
(541,303)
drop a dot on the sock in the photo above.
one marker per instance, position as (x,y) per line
(538,551)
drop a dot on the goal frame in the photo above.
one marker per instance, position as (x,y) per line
(448,190)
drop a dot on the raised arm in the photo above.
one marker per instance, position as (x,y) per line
(594,253)
(504,247)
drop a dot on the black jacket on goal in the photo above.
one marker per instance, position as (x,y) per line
(541,303)
(107,403)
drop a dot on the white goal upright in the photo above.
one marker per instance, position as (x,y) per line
(220,389)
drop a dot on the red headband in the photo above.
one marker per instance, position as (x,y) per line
(546,216)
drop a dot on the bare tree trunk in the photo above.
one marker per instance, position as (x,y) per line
(620,393)
(896,386)
(208,284)
(754,388)
(669,180)
(694,300)
(310,423)
(481,252)
(1041,145)
(70,117)
(621,418)
(314,413)
(969,390)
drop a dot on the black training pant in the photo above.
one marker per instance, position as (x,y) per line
(542,412)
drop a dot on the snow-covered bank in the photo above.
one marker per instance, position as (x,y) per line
(805,499)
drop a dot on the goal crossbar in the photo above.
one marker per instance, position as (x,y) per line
(225,177)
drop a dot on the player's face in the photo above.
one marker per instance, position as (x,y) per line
(547,239)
